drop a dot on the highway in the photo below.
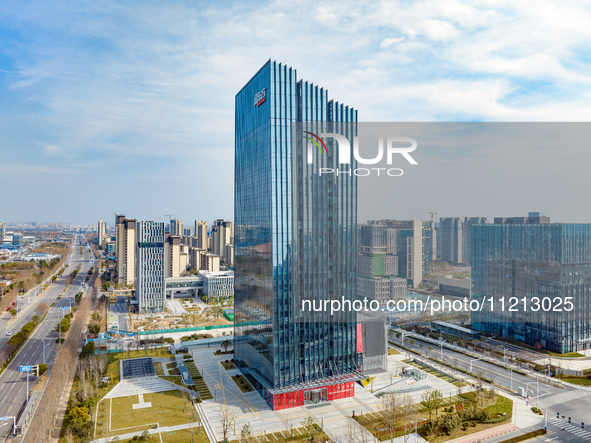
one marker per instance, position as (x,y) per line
(13,383)
(568,401)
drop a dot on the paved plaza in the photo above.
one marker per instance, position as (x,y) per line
(335,417)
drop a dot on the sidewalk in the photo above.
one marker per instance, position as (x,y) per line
(150,431)
(484,435)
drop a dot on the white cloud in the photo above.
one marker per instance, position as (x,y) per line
(154,86)
(390,41)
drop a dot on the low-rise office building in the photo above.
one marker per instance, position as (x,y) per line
(458,287)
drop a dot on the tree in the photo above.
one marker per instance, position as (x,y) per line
(227,419)
(42,368)
(226,344)
(13,312)
(426,400)
(77,420)
(391,405)
(479,386)
(309,424)
(246,434)
(87,350)
(437,399)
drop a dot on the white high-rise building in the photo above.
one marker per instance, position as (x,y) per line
(2,229)
(149,285)
(102,233)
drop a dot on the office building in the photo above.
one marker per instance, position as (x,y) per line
(410,241)
(467,237)
(532,218)
(177,227)
(17,239)
(201,234)
(149,285)
(219,284)
(546,266)
(292,244)
(125,249)
(450,230)
(433,231)
(373,357)
(377,264)
(102,234)
(458,287)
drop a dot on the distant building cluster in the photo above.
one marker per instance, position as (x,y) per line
(146,253)
(393,254)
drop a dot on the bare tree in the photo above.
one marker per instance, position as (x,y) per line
(288,424)
(406,415)
(391,405)
(227,421)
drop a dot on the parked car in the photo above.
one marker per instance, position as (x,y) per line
(9,333)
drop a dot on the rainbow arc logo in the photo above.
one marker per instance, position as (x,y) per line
(318,139)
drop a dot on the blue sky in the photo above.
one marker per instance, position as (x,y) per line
(129,106)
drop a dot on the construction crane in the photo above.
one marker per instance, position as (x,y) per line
(169,216)
(428,212)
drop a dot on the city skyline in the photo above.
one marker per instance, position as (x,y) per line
(115,110)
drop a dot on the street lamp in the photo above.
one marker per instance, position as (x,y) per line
(476,359)
(504,357)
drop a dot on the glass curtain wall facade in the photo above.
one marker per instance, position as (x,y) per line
(524,261)
(149,285)
(295,238)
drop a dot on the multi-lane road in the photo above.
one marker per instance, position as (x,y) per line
(13,383)
(566,400)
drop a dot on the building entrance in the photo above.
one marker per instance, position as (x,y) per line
(315,396)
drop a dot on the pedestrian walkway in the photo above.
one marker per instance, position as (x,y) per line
(486,434)
(162,430)
(571,428)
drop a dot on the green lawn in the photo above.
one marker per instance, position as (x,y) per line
(577,380)
(168,409)
(176,379)
(567,355)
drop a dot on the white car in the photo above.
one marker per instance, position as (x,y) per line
(9,333)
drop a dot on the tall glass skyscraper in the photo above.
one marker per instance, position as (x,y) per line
(149,277)
(295,239)
(532,272)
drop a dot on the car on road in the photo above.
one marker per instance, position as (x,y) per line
(9,333)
